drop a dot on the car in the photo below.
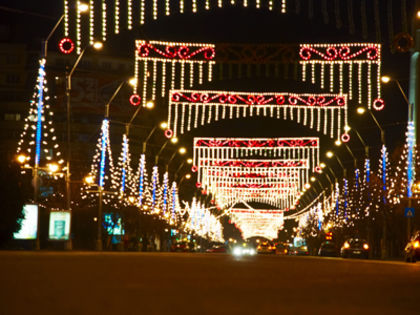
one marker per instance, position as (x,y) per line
(328,249)
(299,250)
(266,247)
(244,250)
(217,248)
(283,249)
(412,249)
(181,247)
(355,247)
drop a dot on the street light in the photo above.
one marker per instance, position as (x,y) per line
(331,154)
(181,151)
(69,75)
(173,140)
(162,126)
(411,140)
(90,180)
(83,7)
(188,161)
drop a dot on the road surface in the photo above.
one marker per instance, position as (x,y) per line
(181,283)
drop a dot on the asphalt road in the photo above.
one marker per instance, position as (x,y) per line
(179,283)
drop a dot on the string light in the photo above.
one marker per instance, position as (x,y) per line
(156,55)
(243,103)
(228,168)
(91,21)
(38,142)
(124,15)
(346,55)
(117,17)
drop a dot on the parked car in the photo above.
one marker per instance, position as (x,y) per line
(217,248)
(328,249)
(412,249)
(355,247)
(266,247)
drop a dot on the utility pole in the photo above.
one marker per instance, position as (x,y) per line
(413,112)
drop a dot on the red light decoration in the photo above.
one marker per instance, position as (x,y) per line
(345,137)
(174,51)
(198,185)
(194,169)
(66,45)
(340,52)
(189,109)
(171,65)
(378,104)
(135,100)
(168,133)
(254,164)
(359,62)
(318,169)
(256,143)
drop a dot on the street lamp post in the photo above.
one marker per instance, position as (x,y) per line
(97,46)
(181,151)
(173,140)
(411,133)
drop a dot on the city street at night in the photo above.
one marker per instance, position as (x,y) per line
(209,157)
(182,283)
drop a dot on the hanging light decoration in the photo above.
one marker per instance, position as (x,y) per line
(127,15)
(175,60)
(327,113)
(363,59)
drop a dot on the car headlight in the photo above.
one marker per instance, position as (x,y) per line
(237,251)
(252,251)
(346,245)
(416,244)
(366,246)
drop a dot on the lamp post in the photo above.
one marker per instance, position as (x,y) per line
(331,154)
(181,151)
(411,134)
(162,125)
(188,161)
(97,46)
(174,140)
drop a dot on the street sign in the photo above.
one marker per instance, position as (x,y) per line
(409,212)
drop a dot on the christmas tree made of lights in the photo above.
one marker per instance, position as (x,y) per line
(38,144)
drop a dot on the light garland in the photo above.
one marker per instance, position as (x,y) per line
(156,56)
(126,178)
(102,168)
(343,58)
(237,169)
(202,222)
(38,142)
(257,222)
(141,178)
(319,111)
(125,16)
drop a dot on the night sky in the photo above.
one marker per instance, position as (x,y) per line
(243,26)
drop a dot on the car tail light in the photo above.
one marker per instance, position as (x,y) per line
(416,244)
(366,246)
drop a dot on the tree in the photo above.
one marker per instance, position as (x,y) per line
(12,199)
